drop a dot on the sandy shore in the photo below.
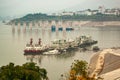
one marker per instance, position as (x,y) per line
(113,75)
(106,62)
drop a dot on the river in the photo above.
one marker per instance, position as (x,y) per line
(13,41)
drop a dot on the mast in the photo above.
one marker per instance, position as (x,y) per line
(31,41)
(39,42)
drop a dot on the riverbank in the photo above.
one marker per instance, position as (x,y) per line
(106,63)
(102,23)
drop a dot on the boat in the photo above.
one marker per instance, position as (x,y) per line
(53,28)
(35,49)
(96,48)
(60,29)
(51,52)
(59,45)
(84,41)
(69,29)
(63,45)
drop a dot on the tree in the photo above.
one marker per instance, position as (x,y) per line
(79,71)
(28,71)
(80,67)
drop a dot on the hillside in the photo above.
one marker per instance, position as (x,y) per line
(39,16)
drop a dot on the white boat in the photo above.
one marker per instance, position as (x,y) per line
(52,52)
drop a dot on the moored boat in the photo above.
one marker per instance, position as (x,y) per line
(51,52)
(69,29)
(63,45)
(34,49)
(84,41)
(59,45)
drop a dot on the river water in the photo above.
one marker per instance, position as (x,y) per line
(13,41)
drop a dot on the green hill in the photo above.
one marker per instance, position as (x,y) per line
(39,16)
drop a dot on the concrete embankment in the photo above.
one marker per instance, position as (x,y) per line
(106,63)
(101,23)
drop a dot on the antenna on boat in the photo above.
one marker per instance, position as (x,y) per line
(31,41)
(39,42)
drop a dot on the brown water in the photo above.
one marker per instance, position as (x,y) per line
(13,41)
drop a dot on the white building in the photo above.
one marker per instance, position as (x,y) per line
(112,12)
(88,12)
(67,13)
(63,14)
(101,9)
(94,12)
(55,14)
(80,13)
(85,12)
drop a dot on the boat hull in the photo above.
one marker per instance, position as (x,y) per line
(33,51)
(87,44)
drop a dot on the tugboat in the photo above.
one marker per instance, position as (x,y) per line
(34,49)
(63,45)
(69,29)
(84,41)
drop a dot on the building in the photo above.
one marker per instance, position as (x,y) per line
(89,12)
(95,12)
(84,12)
(101,9)
(112,11)
(64,13)
(67,13)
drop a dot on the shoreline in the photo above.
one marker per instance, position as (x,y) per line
(105,62)
(103,23)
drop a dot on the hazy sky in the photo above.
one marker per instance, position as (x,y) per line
(20,7)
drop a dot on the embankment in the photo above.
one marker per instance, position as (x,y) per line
(106,63)
(101,23)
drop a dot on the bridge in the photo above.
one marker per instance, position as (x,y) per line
(48,24)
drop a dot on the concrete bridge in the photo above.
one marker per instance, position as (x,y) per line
(48,24)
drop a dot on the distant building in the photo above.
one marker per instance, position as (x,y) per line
(101,9)
(56,14)
(67,13)
(80,13)
(84,12)
(95,12)
(89,12)
(112,11)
